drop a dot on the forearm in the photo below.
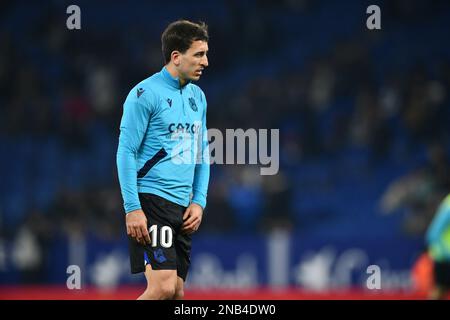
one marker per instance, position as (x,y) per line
(126,167)
(200,186)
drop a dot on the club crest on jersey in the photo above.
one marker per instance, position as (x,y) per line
(139,92)
(193,104)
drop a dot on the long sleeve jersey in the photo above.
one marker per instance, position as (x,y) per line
(163,143)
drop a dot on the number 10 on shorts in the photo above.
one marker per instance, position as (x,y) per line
(165,236)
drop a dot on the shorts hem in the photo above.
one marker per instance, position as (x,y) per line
(140,270)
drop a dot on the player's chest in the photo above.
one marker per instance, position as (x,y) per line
(177,111)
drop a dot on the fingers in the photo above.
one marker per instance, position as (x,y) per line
(136,223)
(132,232)
(186,213)
(192,218)
(192,227)
(190,231)
(138,234)
(145,234)
(191,224)
(189,221)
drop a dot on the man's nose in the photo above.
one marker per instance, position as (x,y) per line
(204,62)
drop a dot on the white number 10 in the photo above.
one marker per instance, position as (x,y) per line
(165,236)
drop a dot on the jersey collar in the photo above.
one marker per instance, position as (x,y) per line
(173,82)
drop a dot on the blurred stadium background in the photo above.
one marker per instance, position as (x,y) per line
(364,145)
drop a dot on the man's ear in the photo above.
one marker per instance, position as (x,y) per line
(176,57)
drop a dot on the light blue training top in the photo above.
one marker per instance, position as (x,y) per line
(163,143)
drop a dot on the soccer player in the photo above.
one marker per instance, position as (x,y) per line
(163,161)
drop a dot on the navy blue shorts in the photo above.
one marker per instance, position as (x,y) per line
(172,249)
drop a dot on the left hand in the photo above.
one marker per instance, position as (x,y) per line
(192,218)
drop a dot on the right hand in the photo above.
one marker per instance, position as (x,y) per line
(136,222)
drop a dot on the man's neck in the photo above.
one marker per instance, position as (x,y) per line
(174,73)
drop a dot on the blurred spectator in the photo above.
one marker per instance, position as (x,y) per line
(75,118)
(420,191)
(438,242)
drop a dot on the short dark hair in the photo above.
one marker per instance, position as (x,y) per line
(179,36)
